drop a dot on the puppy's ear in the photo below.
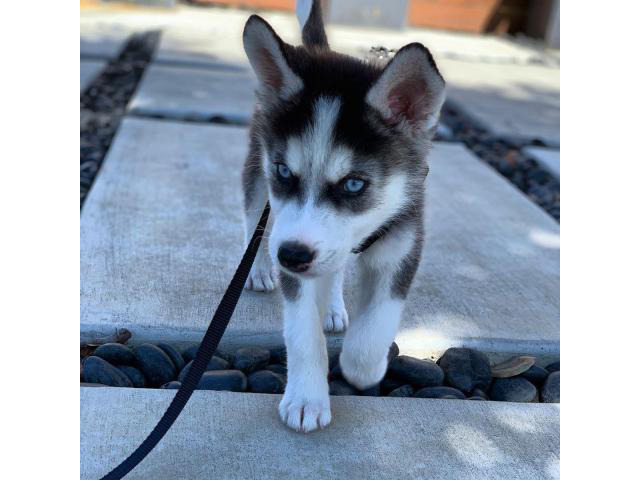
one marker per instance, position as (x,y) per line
(410,90)
(266,53)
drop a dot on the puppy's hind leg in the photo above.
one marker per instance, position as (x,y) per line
(263,276)
(336,318)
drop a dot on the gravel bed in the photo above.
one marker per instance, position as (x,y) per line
(460,373)
(103,104)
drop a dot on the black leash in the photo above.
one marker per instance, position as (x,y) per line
(208,346)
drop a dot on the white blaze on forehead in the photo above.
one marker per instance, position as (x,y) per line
(314,155)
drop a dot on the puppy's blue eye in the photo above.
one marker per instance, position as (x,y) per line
(353,185)
(283,171)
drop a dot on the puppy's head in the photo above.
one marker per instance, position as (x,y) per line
(344,143)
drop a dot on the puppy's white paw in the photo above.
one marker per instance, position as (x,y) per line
(305,413)
(336,320)
(361,373)
(262,278)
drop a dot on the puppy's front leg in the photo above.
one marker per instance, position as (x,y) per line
(305,404)
(386,272)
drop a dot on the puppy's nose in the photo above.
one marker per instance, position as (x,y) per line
(295,256)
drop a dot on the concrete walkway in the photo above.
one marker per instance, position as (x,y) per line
(381,438)
(511,88)
(161,235)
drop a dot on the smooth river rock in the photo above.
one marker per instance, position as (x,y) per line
(418,373)
(466,369)
(250,359)
(551,389)
(98,370)
(156,365)
(513,390)
(266,381)
(116,354)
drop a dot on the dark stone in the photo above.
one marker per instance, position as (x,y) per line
(334,359)
(230,380)
(216,363)
(466,369)
(173,385)
(135,375)
(553,367)
(277,368)
(98,370)
(551,389)
(479,393)
(266,381)
(336,373)
(278,355)
(374,391)
(514,389)
(477,398)
(224,355)
(115,354)
(250,359)
(403,391)
(173,354)
(439,392)
(156,365)
(389,384)
(536,375)
(340,387)
(394,351)
(419,373)
(189,353)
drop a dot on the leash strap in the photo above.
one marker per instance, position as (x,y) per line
(208,346)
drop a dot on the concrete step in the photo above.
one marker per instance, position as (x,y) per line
(161,235)
(213,37)
(195,94)
(382,438)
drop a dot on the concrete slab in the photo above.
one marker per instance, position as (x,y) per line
(548,158)
(102,40)
(89,70)
(513,101)
(213,37)
(382,438)
(176,92)
(161,235)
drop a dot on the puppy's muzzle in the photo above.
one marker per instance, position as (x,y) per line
(295,256)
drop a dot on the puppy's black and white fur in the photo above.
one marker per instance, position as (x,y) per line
(338,147)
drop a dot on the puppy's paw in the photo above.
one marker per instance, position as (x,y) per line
(336,320)
(262,278)
(361,373)
(305,413)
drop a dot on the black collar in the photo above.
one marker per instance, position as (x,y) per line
(371,239)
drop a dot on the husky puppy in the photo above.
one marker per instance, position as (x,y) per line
(338,147)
